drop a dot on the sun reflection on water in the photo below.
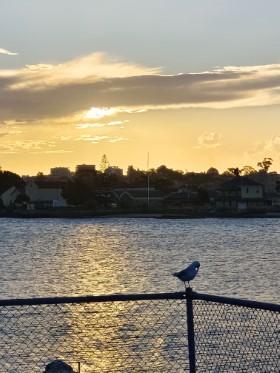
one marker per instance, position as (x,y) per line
(49,257)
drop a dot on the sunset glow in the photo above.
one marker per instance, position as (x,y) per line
(153,81)
(97,113)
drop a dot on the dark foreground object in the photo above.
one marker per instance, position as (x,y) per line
(58,366)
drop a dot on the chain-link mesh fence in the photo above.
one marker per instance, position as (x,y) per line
(110,336)
(140,333)
(234,338)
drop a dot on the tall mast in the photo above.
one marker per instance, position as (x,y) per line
(148,178)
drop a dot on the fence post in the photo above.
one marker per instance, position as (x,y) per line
(190,324)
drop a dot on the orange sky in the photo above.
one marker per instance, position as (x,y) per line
(71,93)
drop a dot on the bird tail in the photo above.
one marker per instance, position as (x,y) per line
(175,274)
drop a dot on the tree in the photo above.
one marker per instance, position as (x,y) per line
(22,199)
(265,164)
(212,171)
(202,196)
(78,192)
(9,179)
(108,179)
(135,177)
(234,171)
(248,170)
(166,178)
(168,173)
(104,164)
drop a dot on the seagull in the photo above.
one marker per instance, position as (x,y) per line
(188,273)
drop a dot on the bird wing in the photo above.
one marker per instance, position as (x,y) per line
(182,273)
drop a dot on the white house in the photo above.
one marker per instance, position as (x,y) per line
(9,196)
(242,193)
(45,193)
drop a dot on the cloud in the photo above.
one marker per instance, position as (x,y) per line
(92,139)
(273,145)
(209,140)
(33,146)
(111,87)
(117,139)
(98,139)
(58,151)
(24,145)
(268,148)
(5,51)
(99,125)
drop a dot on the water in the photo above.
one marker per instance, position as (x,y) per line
(68,257)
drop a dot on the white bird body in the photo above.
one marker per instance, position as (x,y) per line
(188,273)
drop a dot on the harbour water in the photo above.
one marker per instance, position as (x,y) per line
(67,257)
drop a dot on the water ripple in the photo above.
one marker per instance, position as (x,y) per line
(67,257)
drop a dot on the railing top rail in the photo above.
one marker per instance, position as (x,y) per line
(236,302)
(92,299)
(189,294)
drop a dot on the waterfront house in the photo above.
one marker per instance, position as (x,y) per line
(139,197)
(185,196)
(241,193)
(8,196)
(45,194)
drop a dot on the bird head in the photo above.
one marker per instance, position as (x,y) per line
(196,265)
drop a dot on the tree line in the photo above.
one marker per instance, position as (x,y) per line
(90,187)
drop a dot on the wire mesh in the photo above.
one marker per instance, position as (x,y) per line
(144,336)
(138,335)
(230,338)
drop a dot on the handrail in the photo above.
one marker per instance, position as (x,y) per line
(140,297)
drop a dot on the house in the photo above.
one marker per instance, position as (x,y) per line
(139,197)
(241,193)
(268,180)
(44,194)
(185,196)
(9,196)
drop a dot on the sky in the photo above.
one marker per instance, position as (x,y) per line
(189,85)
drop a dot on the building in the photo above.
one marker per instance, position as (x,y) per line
(185,196)
(268,180)
(139,197)
(60,172)
(113,170)
(45,194)
(241,193)
(8,196)
(85,168)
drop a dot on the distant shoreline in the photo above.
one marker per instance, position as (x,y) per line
(81,214)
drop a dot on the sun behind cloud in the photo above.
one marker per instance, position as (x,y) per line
(97,113)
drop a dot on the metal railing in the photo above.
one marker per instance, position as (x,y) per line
(171,332)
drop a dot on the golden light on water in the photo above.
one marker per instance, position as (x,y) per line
(123,335)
